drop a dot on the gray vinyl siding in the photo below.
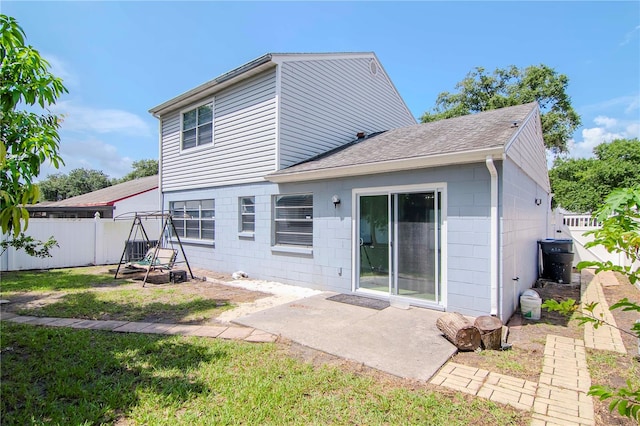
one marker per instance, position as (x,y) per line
(522,224)
(325,103)
(527,152)
(244,139)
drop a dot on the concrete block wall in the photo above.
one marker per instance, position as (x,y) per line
(523,223)
(329,265)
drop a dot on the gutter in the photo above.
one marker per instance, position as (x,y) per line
(385,166)
(212,86)
(493,237)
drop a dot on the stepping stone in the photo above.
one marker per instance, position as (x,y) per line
(236,333)
(107,325)
(259,336)
(158,328)
(210,331)
(133,327)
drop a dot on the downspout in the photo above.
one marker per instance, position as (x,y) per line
(493,236)
(161,195)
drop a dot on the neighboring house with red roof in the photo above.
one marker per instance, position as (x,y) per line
(83,238)
(309,169)
(136,195)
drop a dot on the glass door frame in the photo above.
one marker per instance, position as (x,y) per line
(441,238)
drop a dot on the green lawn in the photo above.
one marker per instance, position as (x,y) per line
(84,293)
(71,279)
(68,376)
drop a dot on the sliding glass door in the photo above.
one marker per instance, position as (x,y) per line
(399,251)
(374,243)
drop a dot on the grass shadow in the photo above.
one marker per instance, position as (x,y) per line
(55,280)
(66,376)
(123,306)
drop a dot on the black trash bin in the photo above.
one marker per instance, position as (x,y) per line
(557,260)
(556,246)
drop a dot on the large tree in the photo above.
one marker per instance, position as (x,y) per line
(60,186)
(141,168)
(28,131)
(581,185)
(480,91)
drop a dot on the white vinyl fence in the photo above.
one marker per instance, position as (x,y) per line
(574,226)
(82,242)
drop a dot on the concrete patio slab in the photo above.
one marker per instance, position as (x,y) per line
(402,342)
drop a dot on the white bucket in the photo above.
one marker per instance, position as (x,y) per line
(530,307)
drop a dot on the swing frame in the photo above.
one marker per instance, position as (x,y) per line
(167,225)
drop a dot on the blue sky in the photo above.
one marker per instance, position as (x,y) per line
(119,59)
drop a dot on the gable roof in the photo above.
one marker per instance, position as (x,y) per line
(466,139)
(253,67)
(105,196)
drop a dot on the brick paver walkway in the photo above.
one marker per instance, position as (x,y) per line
(604,337)
(560,396)
(246,334)
(516,392)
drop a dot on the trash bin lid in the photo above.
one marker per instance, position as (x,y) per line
(531,293)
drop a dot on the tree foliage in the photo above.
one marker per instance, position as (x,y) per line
(27,138)
(141,168)
(581,185)
(60,186)
(480,91)
(619,233)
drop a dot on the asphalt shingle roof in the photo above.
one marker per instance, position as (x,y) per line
(108,196)
(489,129)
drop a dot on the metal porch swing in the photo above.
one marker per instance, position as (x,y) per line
(141,254)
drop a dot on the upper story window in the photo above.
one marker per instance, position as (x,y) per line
(194,219)
(197,126)
(293,220)
(247,214)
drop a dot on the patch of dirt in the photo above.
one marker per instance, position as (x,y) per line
(213,289)
(528,337)
(619,367)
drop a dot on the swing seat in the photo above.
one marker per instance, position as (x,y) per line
(165,259)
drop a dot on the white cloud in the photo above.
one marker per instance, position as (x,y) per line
(629,36)
(633,105)
(606,130)
(59,68)
(90,154)
(607,122)
(78,118)
(627,103)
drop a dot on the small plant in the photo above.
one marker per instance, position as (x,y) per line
(624,399)
(30,245)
